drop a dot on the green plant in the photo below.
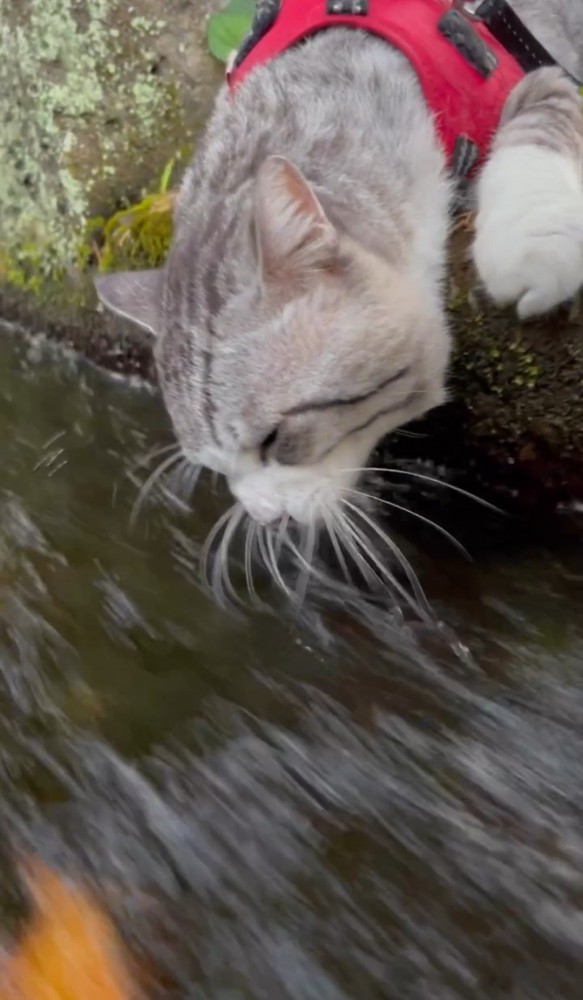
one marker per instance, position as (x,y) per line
(227,29)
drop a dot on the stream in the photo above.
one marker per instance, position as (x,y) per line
(326,804)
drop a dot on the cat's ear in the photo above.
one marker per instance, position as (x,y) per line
(293,233)
(132,294)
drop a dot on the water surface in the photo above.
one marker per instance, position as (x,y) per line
(333,805)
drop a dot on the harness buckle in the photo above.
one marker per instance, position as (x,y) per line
(350,7)
(458,29)
(469,7)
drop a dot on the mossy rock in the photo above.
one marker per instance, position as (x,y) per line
(515,415)
(97,97)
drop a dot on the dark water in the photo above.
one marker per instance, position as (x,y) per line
(337,806)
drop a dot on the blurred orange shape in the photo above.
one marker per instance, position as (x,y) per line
(69,950)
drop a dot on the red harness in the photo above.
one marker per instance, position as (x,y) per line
(466,103)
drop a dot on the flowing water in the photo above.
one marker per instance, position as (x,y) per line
(335,804)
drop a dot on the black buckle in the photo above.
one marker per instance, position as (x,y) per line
(465,157)
(347,7)
(458,30)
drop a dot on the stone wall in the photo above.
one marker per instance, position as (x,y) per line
(99,102)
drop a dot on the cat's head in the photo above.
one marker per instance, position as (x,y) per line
(286,380)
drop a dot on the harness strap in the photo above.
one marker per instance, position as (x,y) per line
(506,26)
(266,12)
(491,39)
(498,16)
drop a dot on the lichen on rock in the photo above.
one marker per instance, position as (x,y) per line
(96,96)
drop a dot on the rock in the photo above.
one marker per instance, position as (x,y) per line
(99,101)
(516,410)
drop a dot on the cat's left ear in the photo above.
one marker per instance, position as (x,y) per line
(294,235)
(135,295)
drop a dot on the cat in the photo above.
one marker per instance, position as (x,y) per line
(300,316)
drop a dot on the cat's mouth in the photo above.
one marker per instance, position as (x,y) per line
(324,534)
(271,495)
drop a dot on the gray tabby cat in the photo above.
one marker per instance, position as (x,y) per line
(300,316)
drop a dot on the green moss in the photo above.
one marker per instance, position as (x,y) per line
(138,237)
(458,300)
(498,366)
(520,382)
(21,273)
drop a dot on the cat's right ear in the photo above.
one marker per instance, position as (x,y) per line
(135,295)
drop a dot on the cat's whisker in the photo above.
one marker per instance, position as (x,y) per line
(282,534)
(209,542)
(360,552)
(145,460)
(307,566)
(399,432)
(194,480)
(220,572)
(381,571)
(267,554)
(395,550)
(421,517)
(152,454)
(221,579)
(188,476)
(300,559)
(398,554)
(429,479)
(328,516)
(307,562)
(262,546)
(175,477)
(250,538)
(346,539)
(217,571)
(182,478)
(273,560)
(149,484)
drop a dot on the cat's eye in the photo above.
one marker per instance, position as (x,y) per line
(268,443)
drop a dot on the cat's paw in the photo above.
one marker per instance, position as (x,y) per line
(528,248)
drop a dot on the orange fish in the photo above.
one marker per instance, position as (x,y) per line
(69,949)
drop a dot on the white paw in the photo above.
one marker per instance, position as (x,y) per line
(528,248)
